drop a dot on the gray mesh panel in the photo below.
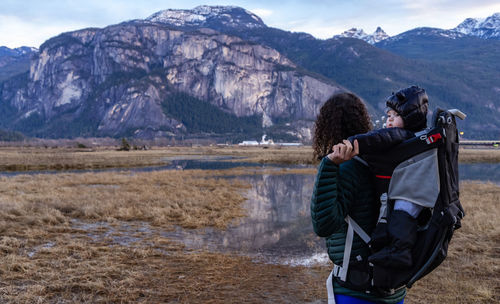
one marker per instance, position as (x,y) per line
(417,179)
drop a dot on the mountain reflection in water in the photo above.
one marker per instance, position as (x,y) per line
(277,228)
(484,172)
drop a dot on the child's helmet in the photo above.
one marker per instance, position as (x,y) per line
(411,104)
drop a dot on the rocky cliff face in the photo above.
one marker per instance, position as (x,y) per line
(113,81)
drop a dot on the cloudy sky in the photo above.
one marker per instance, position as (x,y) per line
(31,22)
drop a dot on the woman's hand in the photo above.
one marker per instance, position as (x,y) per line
(343,152)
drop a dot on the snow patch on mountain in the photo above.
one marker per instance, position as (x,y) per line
(200,16)
(426,31)
(20,51)
(377,36)
(487,28)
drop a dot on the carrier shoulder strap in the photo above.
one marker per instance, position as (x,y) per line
(352,226)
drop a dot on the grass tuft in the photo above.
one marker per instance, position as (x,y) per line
(58,242)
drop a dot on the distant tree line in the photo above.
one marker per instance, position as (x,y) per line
(11,135)
(201,116)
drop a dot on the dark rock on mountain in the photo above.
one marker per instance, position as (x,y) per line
(470,82)
(128,78)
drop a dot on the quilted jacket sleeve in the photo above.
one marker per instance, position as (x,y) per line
(332,194)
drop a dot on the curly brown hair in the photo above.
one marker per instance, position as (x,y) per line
(342,115)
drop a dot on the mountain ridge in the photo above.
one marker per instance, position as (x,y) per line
(484,28)
(373,38)
(385,73)
(212,16)
(488,28)
(127,73)
(115,81)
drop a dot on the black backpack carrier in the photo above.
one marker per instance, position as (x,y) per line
(432,159)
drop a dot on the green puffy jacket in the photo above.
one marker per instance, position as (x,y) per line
(340,191)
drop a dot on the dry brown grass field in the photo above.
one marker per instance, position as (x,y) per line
(25,159)
(47,259)
(37,158)
(60,239)
(471,273)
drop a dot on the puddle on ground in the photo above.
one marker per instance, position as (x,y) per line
(485,172)
(124,234)
(189,162)
(102,186)
(37,249)
(277,228)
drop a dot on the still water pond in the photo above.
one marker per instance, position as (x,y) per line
(277,228)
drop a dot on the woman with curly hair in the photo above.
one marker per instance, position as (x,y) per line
(344,186)
(342,116)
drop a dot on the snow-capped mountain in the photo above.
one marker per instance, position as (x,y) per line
(210,16)
(424,32)
(353,33)
(377,36)
(488,28)
(20,51)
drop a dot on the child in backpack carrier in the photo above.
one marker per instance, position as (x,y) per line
(406,115)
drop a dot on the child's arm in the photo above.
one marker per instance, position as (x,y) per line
(380,140)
